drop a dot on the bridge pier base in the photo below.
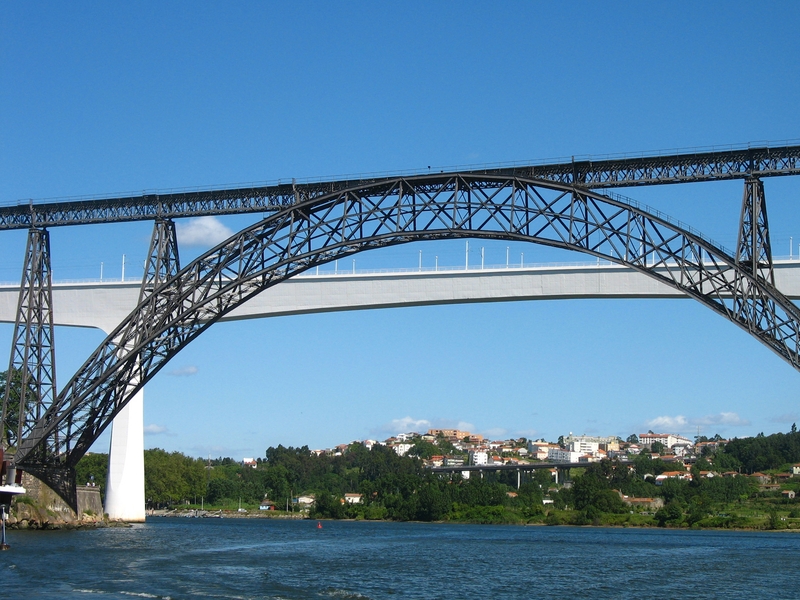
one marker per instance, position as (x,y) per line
(125,482)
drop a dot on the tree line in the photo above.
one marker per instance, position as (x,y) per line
(401,488)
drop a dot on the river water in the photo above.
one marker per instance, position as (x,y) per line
(266,558)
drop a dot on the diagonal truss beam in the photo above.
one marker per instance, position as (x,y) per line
(340,224)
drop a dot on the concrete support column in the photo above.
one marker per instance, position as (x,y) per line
(125,483)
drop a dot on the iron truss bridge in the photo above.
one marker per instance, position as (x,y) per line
(48,432)
(601,174)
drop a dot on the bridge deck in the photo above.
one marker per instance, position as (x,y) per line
(104,305)
(658,169)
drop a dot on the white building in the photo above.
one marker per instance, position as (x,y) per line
(606,443)
(584,447)
(565,456)
(402,448)
(479,457)
(668,439)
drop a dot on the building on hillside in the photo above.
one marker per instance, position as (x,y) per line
(249,462)
(668,439)
(437,460)
(450,433)
(761,477)
(454,461)
(683,475)
(606,443)
(706,448)
(796,469)
(563,456)
(353,498)
(539,450)
(648,503)
(583,446)
(401,448)
(479,457)
(588,458)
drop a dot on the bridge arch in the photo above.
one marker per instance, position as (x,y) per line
(315,231)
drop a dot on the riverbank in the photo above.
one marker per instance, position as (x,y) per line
(225,514)
(553,519)
(29,515)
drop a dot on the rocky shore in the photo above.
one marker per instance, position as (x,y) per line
(30,516)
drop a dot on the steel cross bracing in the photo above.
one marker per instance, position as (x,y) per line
(327,228)
(621,172)
(30,379)
(30,388)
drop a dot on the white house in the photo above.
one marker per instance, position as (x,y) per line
(402,448)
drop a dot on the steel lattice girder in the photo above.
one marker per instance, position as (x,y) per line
(394,212)
(660,169)
(30,378)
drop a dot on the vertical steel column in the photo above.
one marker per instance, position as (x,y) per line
(163,261)
(753,252)
(754,256)
(31,378)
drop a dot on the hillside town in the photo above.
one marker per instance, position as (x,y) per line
(471,449)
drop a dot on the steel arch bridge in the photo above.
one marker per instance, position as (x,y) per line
(179,307)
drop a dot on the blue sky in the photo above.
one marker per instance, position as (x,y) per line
(99,98)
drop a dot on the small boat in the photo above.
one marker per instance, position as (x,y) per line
(319,525)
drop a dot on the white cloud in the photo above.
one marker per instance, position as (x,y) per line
(791,417)
(723,418)
(665,423)
(494,432)
(528,433)
(679,423)
(186,371)
(154,429)
(406,424)
(203,231)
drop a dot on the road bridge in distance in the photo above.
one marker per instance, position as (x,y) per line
(103,305)
(561,468)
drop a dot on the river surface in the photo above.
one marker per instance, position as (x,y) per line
(265,558)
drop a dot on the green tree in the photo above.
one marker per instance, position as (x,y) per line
(670,514)
(11,423)
(94,468)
